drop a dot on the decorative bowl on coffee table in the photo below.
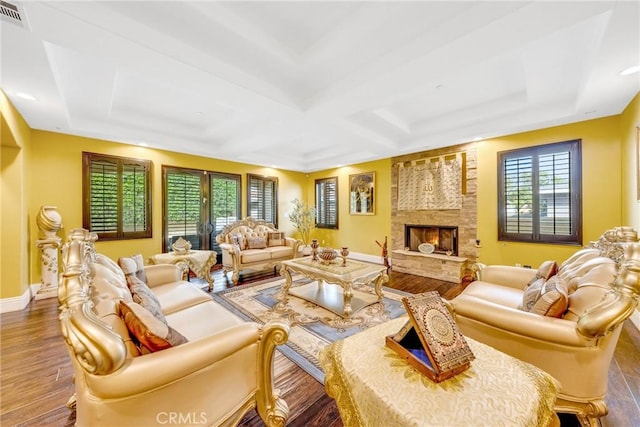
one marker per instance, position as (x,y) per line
(327,255)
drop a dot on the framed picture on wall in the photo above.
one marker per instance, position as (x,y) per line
(362,193)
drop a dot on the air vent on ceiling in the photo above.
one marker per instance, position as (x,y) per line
(13,13)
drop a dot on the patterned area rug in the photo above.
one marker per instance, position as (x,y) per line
(312,327)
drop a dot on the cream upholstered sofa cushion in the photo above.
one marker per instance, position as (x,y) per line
(221,368)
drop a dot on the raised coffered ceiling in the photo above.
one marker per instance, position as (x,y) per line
(308,86)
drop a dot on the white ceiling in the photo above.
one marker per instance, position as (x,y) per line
(307,86)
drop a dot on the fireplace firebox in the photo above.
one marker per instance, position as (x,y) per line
(443,238)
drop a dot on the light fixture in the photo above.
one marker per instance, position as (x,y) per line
(630,70)
(26,96)
(143,144)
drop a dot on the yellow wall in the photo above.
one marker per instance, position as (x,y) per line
(57,158)
(15,249)
(630,132)
(601,193)
(358,232)
(44,168)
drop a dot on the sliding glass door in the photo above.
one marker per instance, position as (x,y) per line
(197,205)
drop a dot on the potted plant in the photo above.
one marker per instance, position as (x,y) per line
(303,217)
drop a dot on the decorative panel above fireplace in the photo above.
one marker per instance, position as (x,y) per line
(443,238)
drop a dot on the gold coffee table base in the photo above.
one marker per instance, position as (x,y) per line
(333,288)
(331,297)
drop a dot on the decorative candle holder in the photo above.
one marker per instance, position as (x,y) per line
(344,253)
(314,250)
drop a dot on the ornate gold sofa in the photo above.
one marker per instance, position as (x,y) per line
(601,285)
(250,244)
(224,368)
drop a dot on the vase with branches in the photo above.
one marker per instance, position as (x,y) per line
(303,217)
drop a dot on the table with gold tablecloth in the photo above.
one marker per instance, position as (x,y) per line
(374,386)
(200,262)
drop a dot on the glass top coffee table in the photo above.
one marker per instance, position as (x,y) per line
(334,284)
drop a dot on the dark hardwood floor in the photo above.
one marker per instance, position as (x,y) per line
(36,374)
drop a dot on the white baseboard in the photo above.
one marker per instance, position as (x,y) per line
(20,302)
(374,259)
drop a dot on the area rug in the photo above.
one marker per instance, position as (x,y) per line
(312,327)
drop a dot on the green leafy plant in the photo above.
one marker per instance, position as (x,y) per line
(303,217)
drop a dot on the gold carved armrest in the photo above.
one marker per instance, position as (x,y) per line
(621,301)
(96,347)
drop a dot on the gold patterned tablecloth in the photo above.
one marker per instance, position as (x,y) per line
(374,386)
(200,262)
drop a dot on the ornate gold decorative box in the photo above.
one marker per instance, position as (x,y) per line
(431,341)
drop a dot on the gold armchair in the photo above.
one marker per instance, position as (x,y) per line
(576,348)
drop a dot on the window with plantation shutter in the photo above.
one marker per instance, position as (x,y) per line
(182,205)
(262,198)
(327,203)
(540,193)
(197,205)
(116,196)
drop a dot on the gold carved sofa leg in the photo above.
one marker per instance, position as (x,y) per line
(270,406)
(586,412)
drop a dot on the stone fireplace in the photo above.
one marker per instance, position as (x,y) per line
(452,229)
(443,238)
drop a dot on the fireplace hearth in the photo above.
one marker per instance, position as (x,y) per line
(443,238)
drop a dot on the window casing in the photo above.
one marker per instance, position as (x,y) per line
(262,198)
(540,194)
(116,196)
(327,203)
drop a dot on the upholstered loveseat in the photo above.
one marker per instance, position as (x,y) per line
(202,365)
(254,244)
(565,320)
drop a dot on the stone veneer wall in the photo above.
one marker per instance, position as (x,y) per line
(466,219)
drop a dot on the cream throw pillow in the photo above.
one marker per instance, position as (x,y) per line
(133,265)
(256,243)
(553,300)
(546,270)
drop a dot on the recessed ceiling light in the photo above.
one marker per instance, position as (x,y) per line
(630,70)
(590,111)
(143,144)
(477,138)
(26,96)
